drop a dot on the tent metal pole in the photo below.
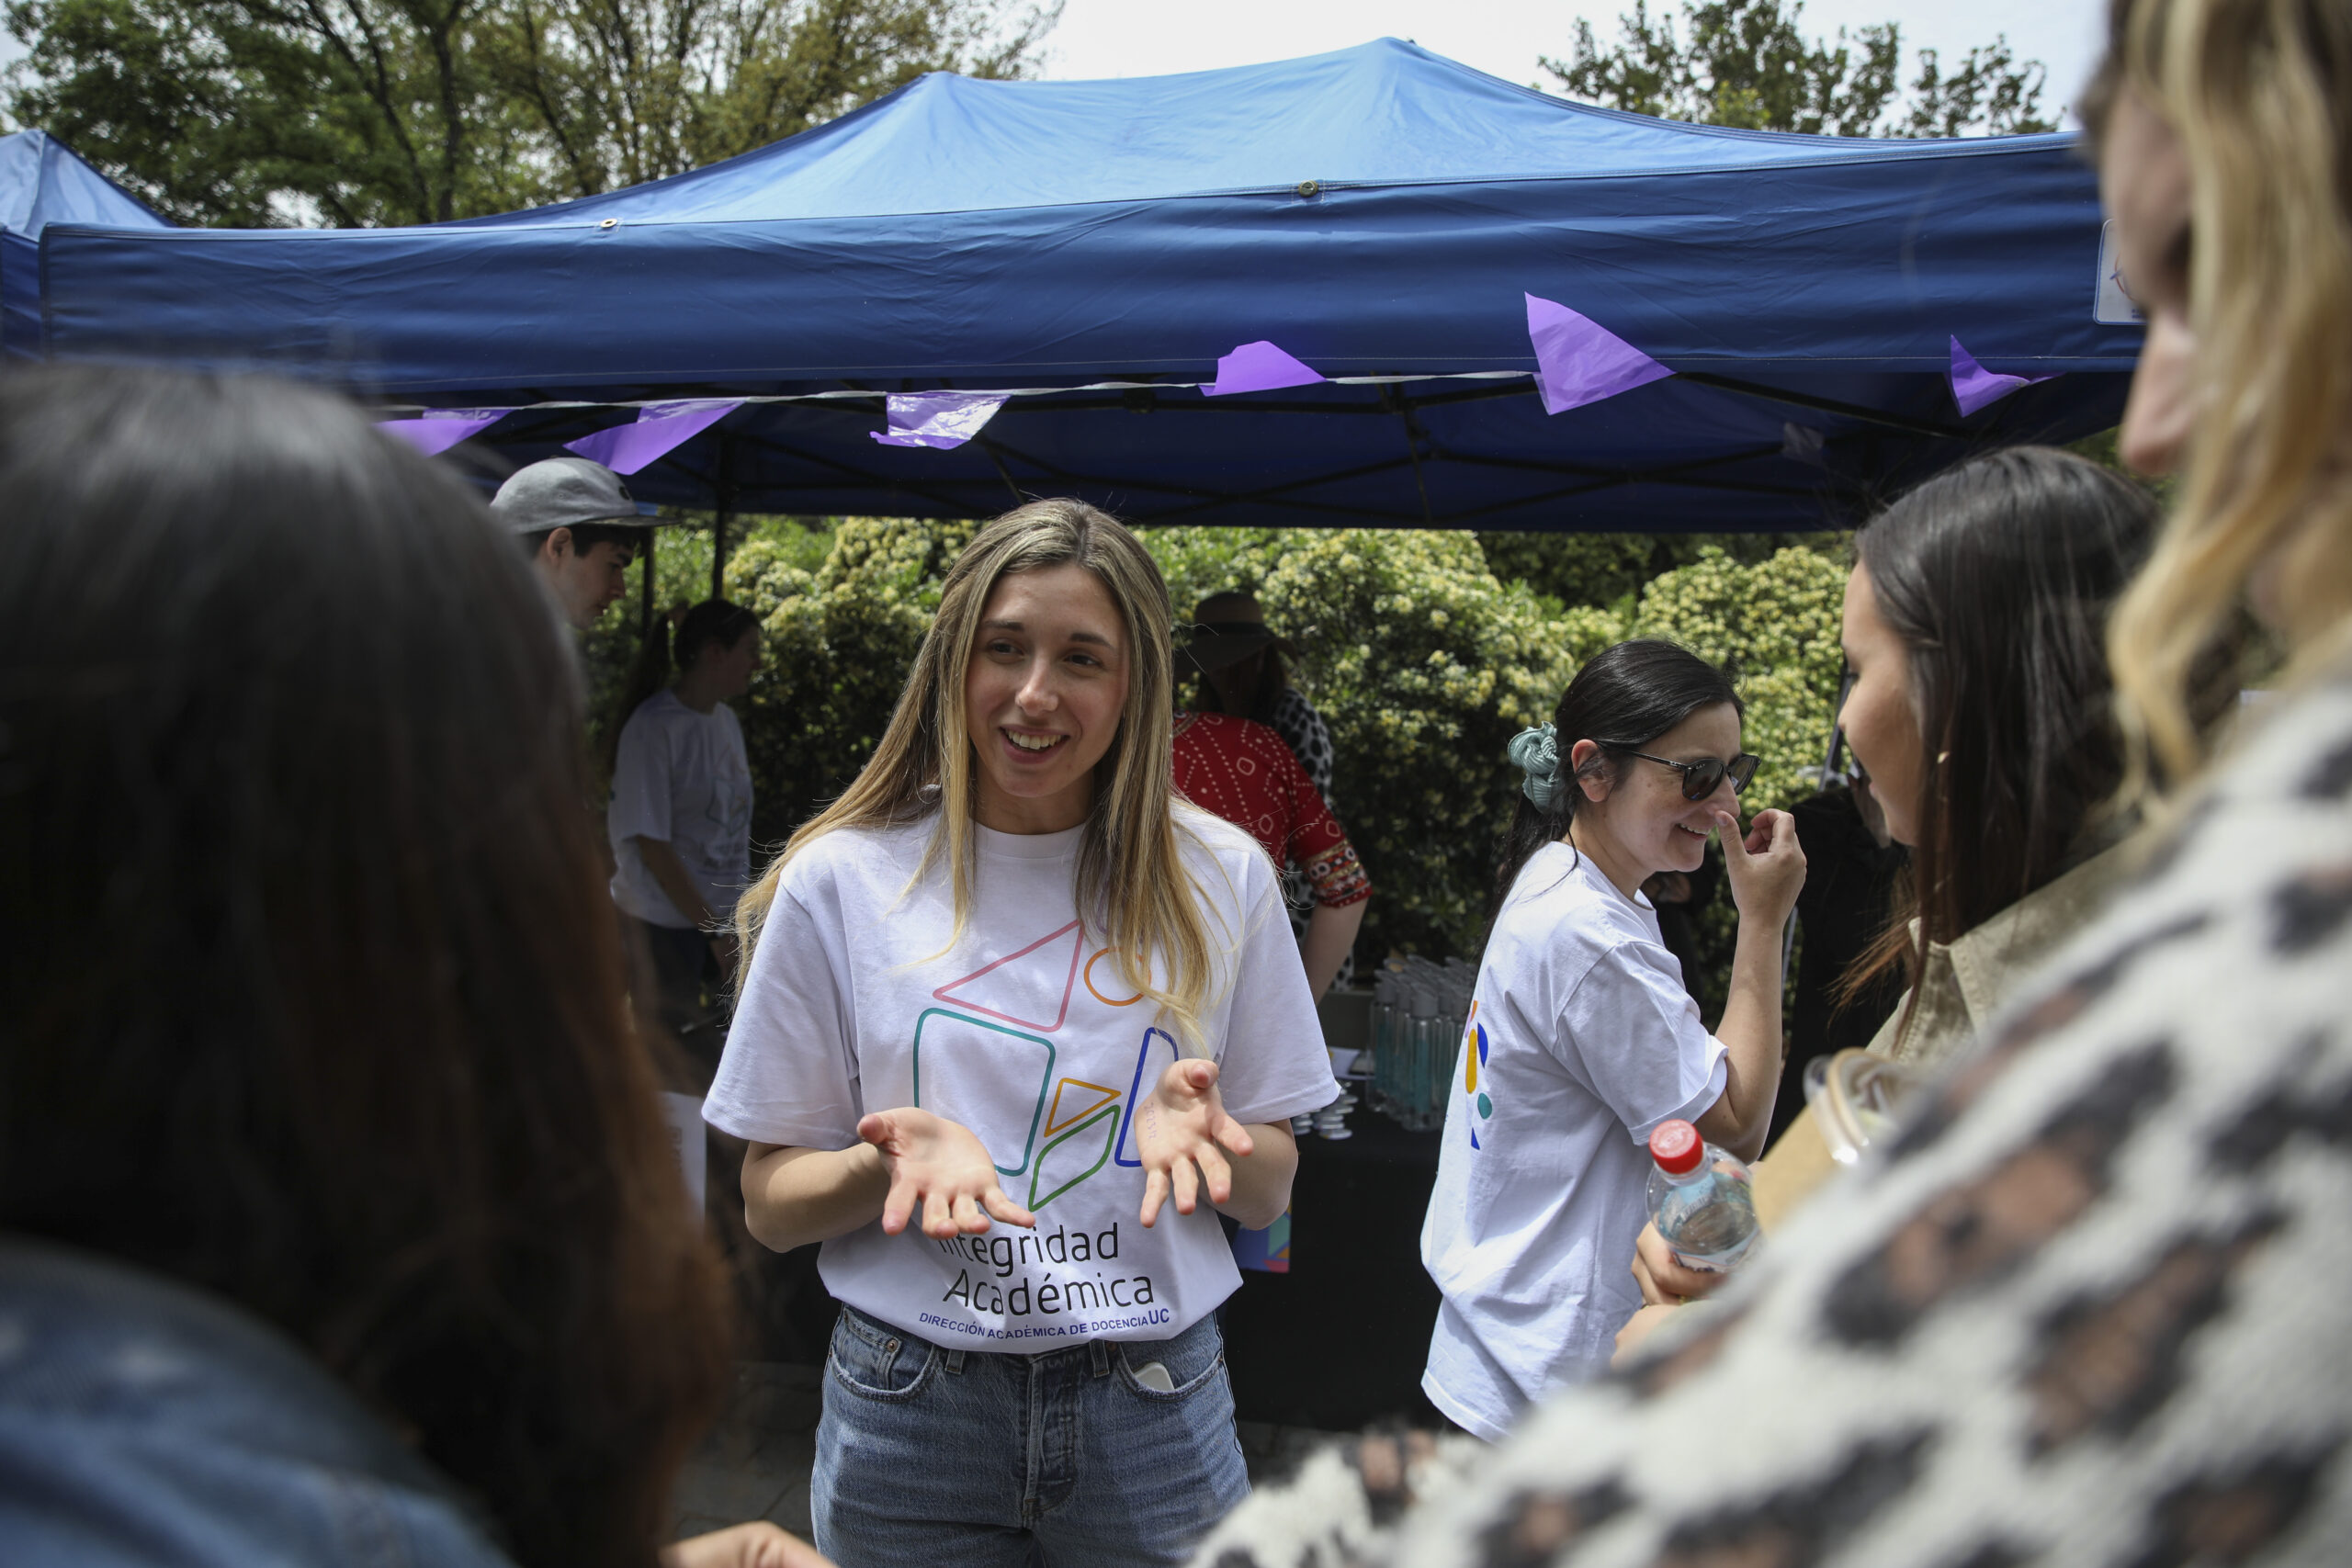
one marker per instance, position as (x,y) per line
(720,518)
(645,595)
(1388,395)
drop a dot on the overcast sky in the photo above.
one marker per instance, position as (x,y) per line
(1142,38)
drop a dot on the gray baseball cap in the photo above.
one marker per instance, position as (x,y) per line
(564,492)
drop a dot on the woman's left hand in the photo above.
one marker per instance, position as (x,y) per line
(1181,1124)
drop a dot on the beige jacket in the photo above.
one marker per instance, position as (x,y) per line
(1964,981)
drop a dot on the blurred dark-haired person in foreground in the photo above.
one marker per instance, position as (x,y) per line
(2089,1306)
(338,1221)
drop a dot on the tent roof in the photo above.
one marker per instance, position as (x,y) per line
(1386,113)
(1379,212)
(43,182)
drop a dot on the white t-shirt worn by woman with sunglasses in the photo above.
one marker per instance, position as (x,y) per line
(1581,1039)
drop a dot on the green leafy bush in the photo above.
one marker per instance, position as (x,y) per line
(1424,666)
(1774,626)
(1422,660)
(839,640)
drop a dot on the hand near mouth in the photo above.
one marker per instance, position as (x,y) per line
(1766,867)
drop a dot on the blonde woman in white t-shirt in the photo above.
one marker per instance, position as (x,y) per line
(1582,1037)
(1011,1010)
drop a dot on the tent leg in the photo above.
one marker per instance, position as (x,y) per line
(645,596)
(719,519)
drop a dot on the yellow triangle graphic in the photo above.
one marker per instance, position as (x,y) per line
(1055,1118)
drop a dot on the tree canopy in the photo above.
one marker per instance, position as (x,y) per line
(353,112)
(1750,63)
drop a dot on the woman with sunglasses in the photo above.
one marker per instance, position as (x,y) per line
(1582,1037)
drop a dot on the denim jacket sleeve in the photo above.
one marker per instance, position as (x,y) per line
(144,1424)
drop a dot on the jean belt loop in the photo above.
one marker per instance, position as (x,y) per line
(955,1361)
(1100,1351)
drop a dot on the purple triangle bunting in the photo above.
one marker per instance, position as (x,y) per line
(658,428)
(438,432)
(1258,368)
(1973,386)
(1578,361)
(937,419)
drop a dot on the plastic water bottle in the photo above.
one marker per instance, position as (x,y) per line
(1700,1199)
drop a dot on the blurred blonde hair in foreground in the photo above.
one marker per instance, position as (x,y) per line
(2259,95)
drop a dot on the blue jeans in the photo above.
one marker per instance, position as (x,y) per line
(932,1455)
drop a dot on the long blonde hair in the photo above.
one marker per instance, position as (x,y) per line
(2259,94)
(1133,889)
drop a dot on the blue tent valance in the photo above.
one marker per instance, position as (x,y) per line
(1380,213)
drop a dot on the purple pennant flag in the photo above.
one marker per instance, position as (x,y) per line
(939,419)
(439,431)
(625,448)
(1973,386)
(1578,361)
(1257,367)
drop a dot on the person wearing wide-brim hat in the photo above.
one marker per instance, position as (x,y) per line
(1239,660)
(582,528)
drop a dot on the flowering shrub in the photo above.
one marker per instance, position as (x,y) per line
(1774,626)
(1422,663)
(1424,666)
(839,640)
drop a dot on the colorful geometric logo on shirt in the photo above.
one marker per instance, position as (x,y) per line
(1031,988)
(1474,1062)
(1075,1156)
(1111,976)
(1074,1101)
(979,1073)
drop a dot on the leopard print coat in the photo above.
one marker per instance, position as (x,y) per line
(2092,1310)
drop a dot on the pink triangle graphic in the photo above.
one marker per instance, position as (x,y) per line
(1020,986)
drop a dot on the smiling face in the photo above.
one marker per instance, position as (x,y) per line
(1043,696)
(1635,822)
(1880,718)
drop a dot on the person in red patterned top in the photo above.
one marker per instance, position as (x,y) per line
(1245,773)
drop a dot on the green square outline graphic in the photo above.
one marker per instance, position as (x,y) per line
(1036,1114)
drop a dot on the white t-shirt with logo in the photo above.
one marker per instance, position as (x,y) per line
(1026,1033)
(682,777)
(1580,1040)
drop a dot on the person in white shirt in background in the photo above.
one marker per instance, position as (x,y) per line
(1003,1000)
(1581,1038)
(680,817)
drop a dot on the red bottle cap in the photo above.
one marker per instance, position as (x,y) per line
(1677,1147)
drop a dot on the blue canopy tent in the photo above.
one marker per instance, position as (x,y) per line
(1379,212)
(42,182)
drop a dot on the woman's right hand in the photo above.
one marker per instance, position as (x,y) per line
(1766,867)
(1663,1279)
(943,1167)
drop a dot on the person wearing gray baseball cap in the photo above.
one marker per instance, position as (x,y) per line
(581,527)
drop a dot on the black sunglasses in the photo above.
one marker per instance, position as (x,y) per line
(1700,778)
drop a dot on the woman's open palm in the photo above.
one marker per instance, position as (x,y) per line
(1180,1126)
(942,1167)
